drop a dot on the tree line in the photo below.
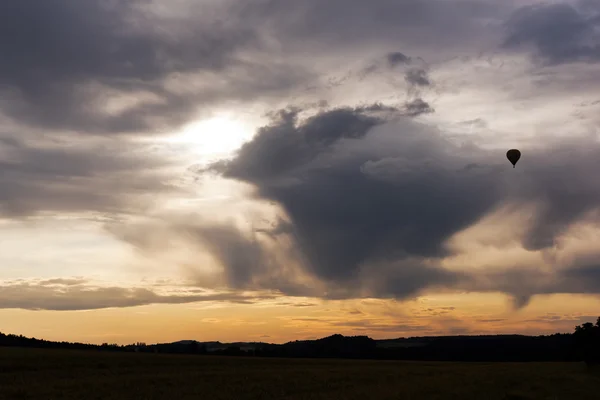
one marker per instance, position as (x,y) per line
(581,345)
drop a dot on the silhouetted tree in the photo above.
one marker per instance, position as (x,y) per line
(587,342)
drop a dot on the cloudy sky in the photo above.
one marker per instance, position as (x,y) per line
(276,170)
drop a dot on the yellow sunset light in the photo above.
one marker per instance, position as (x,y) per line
(216,136)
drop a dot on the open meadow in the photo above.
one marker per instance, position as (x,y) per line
(65,374)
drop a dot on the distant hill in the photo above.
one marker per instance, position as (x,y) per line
(557,347)
(583,344)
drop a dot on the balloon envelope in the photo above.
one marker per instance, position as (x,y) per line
(513,156)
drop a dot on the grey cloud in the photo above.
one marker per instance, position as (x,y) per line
(64,281)
(47,296)
(558,184)
(368,325)
(397,58)
(54,50)
(288,144)
(417,77)
(371,212)
(355,312)
(347,25)
(345,212)
(439,311)
(78,176)
(406,278)
(475,123)
(248,264)
(562,319)
(83,56)
(417,107)
(245,258)
(561,32)
(521,284)
(521,301)
(526,282)
(585,279)
(301,305)
(333,202)
(492,320)
(308,320)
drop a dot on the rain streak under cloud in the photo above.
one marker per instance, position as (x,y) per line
(370,160)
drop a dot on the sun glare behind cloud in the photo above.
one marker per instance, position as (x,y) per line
(215,137)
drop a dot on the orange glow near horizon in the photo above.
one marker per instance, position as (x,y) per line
(430,315)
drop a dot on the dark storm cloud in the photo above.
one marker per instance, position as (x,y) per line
(347,211)
(77,177)
(85,296)
(371,210)
(561,32)
(52,49)
(288,144)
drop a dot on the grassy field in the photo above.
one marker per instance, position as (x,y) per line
(62,374)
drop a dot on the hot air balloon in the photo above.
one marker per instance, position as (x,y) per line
(513,156)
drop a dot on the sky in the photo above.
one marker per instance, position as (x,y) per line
(273,170)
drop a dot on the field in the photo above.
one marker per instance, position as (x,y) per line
(63,374)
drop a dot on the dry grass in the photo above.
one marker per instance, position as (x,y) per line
(61,374)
